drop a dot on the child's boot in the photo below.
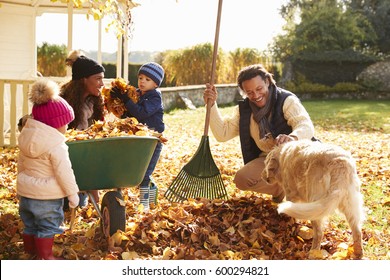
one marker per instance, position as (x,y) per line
(29,244)
(153,194)
(44,248)
(144,197)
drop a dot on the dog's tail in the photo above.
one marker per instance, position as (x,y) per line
(311,210)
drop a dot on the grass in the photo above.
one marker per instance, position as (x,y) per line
(358,115)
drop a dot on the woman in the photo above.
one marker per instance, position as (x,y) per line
(83,93)
(267,116)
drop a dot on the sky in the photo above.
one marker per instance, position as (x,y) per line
(160,25)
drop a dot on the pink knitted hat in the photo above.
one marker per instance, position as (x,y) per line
(49,107)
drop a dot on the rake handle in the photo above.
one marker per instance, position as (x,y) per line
(213,66)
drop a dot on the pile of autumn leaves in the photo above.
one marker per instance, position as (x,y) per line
(246,226)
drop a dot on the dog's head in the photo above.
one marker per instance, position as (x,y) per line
(270,173)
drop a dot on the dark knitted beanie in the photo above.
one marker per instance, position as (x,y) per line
(84,67)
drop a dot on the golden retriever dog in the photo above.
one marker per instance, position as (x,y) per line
(318,179)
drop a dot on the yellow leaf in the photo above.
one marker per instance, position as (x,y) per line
(131,227)
(140,208)
(305,232)
(78,247)
(165,233)
(373,241)
(343,246)
(248,221)
(15,238)
(130,255)
(121,201)
(342,255)
(241,233)
(144,237)
(165,224)
(194,237)
(214,240)
(89,212)
(57,250)
(230,230)
(229,254)
(96,14)
(300,238)
(168,254)
(256,245)
(116,238)
(90,233)
(141,133)
(386,201)
(318,254)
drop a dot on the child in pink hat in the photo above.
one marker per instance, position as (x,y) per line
(45,174)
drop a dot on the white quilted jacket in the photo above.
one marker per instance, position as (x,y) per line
(44,167)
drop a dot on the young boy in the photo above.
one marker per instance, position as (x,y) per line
(45,174)
(148,110)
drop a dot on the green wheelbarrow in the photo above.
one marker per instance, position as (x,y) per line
(111,163)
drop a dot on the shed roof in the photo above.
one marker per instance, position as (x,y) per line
(61,6)
(45,5)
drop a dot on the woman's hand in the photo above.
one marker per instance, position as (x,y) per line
(283,138)
(210,94)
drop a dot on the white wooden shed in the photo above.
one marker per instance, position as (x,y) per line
(18,56)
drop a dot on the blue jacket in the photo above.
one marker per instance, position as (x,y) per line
(149,110)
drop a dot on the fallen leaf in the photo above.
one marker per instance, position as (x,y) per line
(130,255)
(305,232)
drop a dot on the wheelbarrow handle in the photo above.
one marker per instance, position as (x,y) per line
(73,211)
(72,218)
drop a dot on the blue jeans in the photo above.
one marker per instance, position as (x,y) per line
(152,165)
(41,218)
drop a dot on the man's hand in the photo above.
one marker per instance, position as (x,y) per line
(210,94)
(283,138)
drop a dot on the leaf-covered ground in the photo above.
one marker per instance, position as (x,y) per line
(246,226)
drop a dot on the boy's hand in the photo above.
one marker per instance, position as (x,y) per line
(116,93)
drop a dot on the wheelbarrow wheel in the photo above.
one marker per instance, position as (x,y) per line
(114,215)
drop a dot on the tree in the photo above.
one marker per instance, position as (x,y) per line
(377,13)
(192,65)
(51,60)
(323,25)
(324,42)
(240,58)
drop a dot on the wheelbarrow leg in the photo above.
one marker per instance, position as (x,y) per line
(95,205)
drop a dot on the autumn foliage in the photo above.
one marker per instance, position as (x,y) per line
(246,226)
